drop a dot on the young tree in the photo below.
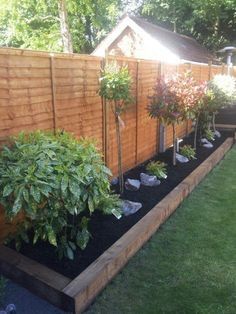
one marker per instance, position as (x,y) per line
(116,89)
(165,106)
(176,99)
(196,98)
(200,108)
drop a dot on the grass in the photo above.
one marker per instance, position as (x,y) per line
(189,265)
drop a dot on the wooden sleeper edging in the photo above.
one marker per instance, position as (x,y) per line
(76,295)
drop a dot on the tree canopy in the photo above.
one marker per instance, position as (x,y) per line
(39,24)
(212,22)
(35,24)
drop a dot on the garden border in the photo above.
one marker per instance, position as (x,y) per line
(76,295)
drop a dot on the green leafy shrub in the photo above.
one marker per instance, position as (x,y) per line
(57,182)
(209,134)
(188,151)
(158,169)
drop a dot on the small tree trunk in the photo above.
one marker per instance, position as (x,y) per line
(119,151)
(174,145)
(195,133)
(65,32)
(213,121)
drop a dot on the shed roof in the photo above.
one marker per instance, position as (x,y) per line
(184,47)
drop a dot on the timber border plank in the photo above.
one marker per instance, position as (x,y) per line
(76,295)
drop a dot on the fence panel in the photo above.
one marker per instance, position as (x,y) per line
(39,90)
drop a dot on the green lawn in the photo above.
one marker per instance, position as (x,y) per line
(189,266)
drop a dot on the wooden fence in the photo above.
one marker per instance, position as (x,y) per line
(39,90)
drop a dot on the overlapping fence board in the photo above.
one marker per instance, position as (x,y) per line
(147,129)
(78,105)
(39,90)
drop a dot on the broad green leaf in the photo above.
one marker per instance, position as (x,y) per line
(52,237)
(34,192)
(82,238)
(64,183)
(74,188)
(36,237)
(85,196)
(91,205)
(16,206)
(107,171)
(45,190)
(26,195)
(8,189)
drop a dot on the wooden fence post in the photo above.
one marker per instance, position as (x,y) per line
(137,112)
(105,121)
(209,70)
(53,86)
(161,129)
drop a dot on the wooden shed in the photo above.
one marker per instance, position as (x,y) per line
(135,37)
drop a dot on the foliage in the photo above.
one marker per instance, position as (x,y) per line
(221,92)
(2,289)
(223,88)
(209,134)
(57,181)
(115,87)
(158,169)
(176,99)
(188,151)
(36,24)
(212,23)
(164,104)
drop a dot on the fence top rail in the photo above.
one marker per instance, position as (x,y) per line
(48,54)
(45,54)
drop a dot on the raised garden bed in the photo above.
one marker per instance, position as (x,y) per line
(72,285)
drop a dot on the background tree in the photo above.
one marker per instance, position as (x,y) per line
(65,31)
(212,22)
(43,24)
(36,24)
